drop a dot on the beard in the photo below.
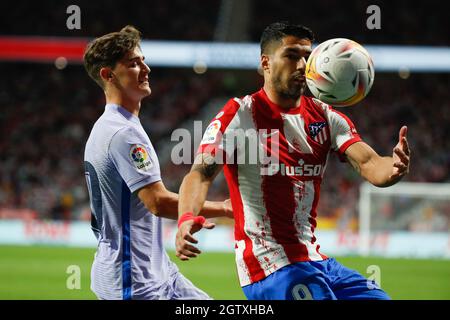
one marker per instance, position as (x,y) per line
(289,89)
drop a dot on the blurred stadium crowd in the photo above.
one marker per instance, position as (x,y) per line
(421,23)
(46,113)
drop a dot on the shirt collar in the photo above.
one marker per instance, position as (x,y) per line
(115,108)
(276,108)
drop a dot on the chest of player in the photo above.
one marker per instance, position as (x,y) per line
(298,139)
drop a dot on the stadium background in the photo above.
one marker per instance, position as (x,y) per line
(48,109)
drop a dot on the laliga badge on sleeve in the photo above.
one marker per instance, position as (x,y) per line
(140,157)
(220,114)
(211,132)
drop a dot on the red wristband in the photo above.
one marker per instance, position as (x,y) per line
(190,216)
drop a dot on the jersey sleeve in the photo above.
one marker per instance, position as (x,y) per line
(343,131)
(134,158)
(218,138)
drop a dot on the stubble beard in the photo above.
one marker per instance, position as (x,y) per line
(287,91)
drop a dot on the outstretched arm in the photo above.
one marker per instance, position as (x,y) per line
(195,185)
(164,203)
(381,171)
(193,191)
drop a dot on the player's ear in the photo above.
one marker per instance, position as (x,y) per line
(265,62)
(106,74)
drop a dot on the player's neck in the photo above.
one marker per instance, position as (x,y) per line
(130,105)
(280,100)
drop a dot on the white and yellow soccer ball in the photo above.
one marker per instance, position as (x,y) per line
(340,72)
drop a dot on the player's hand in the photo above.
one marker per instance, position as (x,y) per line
(401,156)
(228,209)
(184,239)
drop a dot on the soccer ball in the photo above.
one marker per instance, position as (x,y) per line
(339,72)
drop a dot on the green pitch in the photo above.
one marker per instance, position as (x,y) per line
(41,273)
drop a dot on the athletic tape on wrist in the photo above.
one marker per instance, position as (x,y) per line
(190,216)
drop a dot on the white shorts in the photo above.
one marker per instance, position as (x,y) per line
(184,289)
(178,288)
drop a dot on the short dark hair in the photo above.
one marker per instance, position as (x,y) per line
(278,30)
(107,50)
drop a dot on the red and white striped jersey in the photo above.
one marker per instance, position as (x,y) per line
(275,202)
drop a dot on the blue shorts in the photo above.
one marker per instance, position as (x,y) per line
(314,280)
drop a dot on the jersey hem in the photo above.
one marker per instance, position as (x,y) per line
(142,183)
(347,144)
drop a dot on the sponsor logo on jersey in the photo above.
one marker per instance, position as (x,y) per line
(140,157)
(317,131)
(302,170)
(211,132)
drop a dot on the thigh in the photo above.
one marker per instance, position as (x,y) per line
(299,281)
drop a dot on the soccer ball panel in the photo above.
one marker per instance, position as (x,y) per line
(340,72)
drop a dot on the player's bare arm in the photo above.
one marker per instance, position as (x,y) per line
(164,203)
(193,191)
(159,201)
(378,170)
(195,185)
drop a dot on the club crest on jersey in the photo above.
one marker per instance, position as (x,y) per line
(140,158)
(317,131)
(211,132)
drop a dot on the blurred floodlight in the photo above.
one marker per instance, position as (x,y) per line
(200,67)
(60,63)
(404,73)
